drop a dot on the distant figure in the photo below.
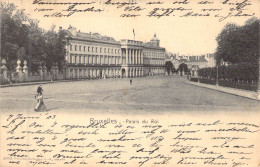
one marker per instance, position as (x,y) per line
(188,76)
(131,81)
(40,106)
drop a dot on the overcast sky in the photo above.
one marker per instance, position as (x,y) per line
(192,35)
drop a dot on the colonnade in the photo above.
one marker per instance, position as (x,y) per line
(89,72)
(154,71)
(77,72)
(133,56)
(134,72)
(154,61)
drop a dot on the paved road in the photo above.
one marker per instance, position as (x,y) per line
(149,94)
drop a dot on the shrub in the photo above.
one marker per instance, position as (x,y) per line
(246,72)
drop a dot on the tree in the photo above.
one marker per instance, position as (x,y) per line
(55,47)
(169,67)
(183,67)
(12,32)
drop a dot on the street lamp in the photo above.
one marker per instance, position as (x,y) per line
(217,76)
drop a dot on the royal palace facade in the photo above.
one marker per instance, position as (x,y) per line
(92,55)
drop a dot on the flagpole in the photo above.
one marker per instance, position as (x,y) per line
(134,33)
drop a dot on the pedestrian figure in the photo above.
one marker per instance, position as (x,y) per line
(40,106)
(39,89)
(130,81)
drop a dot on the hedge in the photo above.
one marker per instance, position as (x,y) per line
(246,72)
(240,76)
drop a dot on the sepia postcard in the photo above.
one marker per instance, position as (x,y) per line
(130,83)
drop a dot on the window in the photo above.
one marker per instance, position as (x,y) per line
(71,58)
(108,50)
(105,50)
(79,48)
(79,59)
(100,50)
(88,49)
(70,47)
(112,51)
(75,59)
(84,48)
(96,49)
(92,49)
(75,47)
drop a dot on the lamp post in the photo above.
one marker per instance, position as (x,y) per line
(64,66)
(258,84)
(217,77)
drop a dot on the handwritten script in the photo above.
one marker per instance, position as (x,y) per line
(49,140)
(220,10)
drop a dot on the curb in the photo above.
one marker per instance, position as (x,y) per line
(242,93)
(40,82)
(35,83)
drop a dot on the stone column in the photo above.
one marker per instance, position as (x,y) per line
(142,57)
(57,70)
(126,55)
(126,72)
(86,72)
(53,73)
(118,72)
(4,69)
(87,59)
(94,72)
(138,56)
(25,70)
(18,68)
(78,72)
(108,72)
(130,56)
(90,59)
(40,72)
(68,73)
(135,54)
(44,70)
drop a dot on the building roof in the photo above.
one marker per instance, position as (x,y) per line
(197,59)
(90,36)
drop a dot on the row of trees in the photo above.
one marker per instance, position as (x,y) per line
(170,67)
(22,38)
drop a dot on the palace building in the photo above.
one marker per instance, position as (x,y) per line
(94,55)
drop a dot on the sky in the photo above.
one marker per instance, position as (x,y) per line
(183,35)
